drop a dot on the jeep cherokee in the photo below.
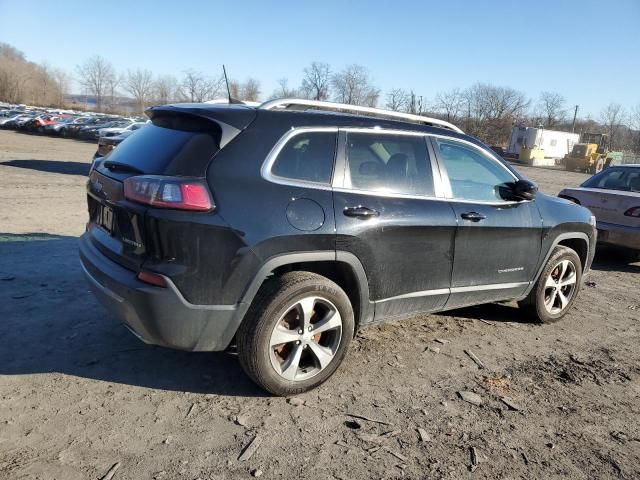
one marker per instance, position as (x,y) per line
(283,228)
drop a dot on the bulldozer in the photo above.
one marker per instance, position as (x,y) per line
(591,154)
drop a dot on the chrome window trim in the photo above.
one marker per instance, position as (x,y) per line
(445,291)
(447,183)
(440,179)
(265,170)
(438,187)
(475,147)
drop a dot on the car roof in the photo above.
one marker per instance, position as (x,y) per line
(306,116)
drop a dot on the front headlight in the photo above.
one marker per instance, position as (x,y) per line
(592,220)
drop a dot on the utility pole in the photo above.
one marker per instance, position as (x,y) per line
(575,114)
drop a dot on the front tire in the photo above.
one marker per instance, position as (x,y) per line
(557,287)
(296,333)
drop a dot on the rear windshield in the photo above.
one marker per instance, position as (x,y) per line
(623,179)
(171,145)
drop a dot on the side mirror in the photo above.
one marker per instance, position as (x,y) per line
(525,190)
(519,191)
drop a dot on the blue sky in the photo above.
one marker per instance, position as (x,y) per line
(421,45)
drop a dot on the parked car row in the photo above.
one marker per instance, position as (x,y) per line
(66,124)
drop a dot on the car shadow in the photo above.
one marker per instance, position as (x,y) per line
(50,322)
(494,312)
(613,259)
(51,166)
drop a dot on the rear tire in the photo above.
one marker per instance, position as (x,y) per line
(296,333)
(557,287)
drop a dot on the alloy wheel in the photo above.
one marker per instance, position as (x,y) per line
(305,339)
(560,287)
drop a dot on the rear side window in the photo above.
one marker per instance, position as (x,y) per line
(171,145)
(308,157)
(623,179)
(388,163)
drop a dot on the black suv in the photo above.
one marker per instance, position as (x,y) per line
(283,228)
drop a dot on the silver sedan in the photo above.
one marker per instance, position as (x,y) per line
(613,196)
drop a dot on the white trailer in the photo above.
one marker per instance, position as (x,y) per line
(554,143)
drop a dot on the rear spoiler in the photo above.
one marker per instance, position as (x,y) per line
(231,119)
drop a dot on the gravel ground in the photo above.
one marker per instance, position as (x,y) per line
(80,394)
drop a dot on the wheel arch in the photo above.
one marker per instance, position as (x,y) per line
(577,241)
(343,268)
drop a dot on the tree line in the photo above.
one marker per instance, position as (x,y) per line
(484,110)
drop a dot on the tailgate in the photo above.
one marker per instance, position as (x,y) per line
(116,227)
(181,141)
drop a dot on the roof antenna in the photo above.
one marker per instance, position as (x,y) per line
(226,80)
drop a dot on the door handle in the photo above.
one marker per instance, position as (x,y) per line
(360,212)
(473,216)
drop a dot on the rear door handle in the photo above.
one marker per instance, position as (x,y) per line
(360,212)
(473,216)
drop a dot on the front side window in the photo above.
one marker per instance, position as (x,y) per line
(388,163)
(308,157)
(473,175)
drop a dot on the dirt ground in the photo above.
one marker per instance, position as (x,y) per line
(80,394)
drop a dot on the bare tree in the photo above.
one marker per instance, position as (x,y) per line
(139,83)
(250,90)
(552,108)
(191,84)
(165,89)
(353,86)
(22,81)
(414,105)
(397,100)
(198,88)
(634,117)
(235,89)
(612,117)
(94,75)
(450,104)
(111,92)
(634,120)
(316,81)
(490,111)
(63,81)
(283,90)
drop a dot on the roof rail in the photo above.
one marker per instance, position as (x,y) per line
(376,112)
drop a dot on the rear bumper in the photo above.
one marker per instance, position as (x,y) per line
(619,235)
(159,316)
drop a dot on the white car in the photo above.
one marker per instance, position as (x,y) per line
(112,132)
(613,196)
(15,118)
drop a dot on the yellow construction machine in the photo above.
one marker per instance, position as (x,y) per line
(591,154)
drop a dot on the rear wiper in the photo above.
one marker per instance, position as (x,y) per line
(123,167)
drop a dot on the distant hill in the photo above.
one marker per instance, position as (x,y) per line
(89,102)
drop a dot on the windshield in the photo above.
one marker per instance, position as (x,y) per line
(616,178)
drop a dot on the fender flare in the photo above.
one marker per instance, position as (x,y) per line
(554,244)
(367,308)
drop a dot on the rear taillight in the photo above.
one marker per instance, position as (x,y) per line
(152,279)
(633,212)
(169,192)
